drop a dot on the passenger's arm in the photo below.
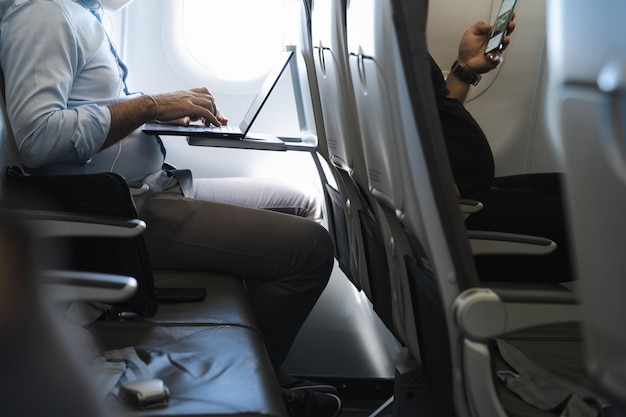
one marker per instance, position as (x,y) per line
(457,89)
(179,108)
(40,57)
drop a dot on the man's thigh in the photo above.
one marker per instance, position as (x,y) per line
(263,193)
(185,233)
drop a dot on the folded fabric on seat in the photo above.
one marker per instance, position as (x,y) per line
(542,374)
(210,370)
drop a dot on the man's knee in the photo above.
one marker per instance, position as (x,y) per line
(322,248)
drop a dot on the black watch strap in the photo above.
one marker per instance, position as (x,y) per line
(465,74)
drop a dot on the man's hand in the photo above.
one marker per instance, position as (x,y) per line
(184,107)
(472,47)
(180,107)
(472,56)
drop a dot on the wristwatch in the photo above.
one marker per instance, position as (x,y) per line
(465,74)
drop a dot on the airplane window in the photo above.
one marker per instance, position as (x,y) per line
(237,39)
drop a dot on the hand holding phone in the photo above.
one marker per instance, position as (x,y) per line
(496,38)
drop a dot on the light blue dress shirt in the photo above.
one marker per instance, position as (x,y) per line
(59,76)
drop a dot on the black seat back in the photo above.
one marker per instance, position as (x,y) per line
(102,194)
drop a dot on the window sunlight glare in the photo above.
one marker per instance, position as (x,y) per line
(237,39)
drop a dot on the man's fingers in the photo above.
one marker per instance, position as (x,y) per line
(495,59)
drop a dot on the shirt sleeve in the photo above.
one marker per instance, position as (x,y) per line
(41,56)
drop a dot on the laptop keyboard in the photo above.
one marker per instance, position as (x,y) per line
(225,129)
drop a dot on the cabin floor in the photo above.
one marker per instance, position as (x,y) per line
(362,397)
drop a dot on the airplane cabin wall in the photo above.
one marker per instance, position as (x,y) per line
(508,103)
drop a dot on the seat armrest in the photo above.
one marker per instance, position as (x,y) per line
(61,285)
(483,313)
(469,206)
(71,285)
(499,243)
(61,224)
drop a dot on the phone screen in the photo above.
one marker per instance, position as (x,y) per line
(500,26)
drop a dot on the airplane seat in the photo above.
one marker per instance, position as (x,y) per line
(513,349)
(41,370)
(342,131)
(477,349)
(369,46)
(337,208)
(380,116)
(97,194)
(209,353)
(586,79)
(35,352)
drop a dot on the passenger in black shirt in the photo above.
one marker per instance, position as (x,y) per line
(527,204)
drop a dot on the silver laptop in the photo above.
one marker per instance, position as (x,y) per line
(228,131)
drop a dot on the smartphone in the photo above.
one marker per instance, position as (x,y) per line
(500,26)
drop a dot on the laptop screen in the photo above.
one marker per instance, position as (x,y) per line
(266,88)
